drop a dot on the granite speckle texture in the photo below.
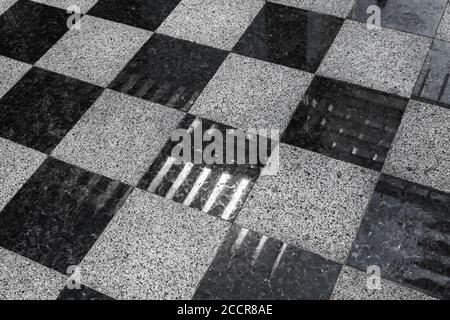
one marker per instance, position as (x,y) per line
(443,31)
(11,71)
(84,5)
(339,8)
(5,4)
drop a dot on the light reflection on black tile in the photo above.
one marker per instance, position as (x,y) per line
(419,17)
(219,189)
(28,29)
(251,266)
(169,71)
(433,84)
(82,294)
(42,107)
(406,232)
(289,36)
(346,122)
(59,213)
(145,14)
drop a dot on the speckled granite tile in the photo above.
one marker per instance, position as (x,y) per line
(386,60)
(339,8)
(433,84)
(17,164)
(289,36)
(314,202)
(346,122)
(247,93)
(97,52)
(84,5)
(82,294)
(153,249)
(23,279)
(42,107)
(254,267)
(11,71)
(352,285)
(419,17)
(169,71)
(443,31)
(6,4)
(216,23)
(59,213)
(405,232)
(28,29)
(143,14)
(421,150)
(119,137)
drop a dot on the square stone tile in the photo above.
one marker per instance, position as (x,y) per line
(97,52)
(84,5)
(42,107)
(17,164)
(143,14)
(433,85)
(386,60)
(247,94)
(11,71)
(119,137)
(314,202)
(352,285)
(216,23)
(346,122)
(405,233)
(443,31)
(6,4)
(419,17)
(82,294)
(59,213)
(339,8)
(421,150)
(153,249)
(28,29)
(169,71)
(23,279)
(250,266)
(289,36)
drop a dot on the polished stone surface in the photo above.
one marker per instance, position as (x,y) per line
(253,267)
(153,249)
(169,71)
(420,17)
(97,52)
(252,94)
(433,84)
(84,5)
(289,36)
(82,294)
(29,29)
(386,60)
(443,31)
(42,107)
(58,214)
(406,233)
(6,4)
(346,122)
(11,71)
(119,136)
(143,14)
(339,8)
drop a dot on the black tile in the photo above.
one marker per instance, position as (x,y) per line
(28,29)
(289,36)
(42,107)
(433,85)
(145,14)
(84,293)
(406,232)
(231,180)
(249,266)
(59,213)
(346,122)
(169,71)
(419,17)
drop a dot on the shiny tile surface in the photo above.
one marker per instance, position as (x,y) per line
(346,122)
(42,107)
(143,14)
(82,294)
(289,36)
(59,213)
(169,71)
(338,8)
(406,233)
(419,17)
(29,29)
(255,267)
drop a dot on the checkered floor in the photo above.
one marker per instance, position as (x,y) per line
(89,190)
